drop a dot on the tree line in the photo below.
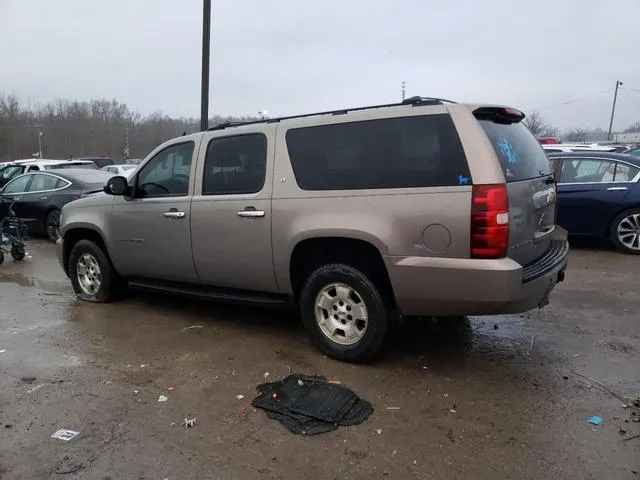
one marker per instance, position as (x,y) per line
(541,128)
(66,129)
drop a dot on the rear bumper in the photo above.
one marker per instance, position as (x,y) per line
(444,286)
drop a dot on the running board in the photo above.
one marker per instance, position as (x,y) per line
(225,295)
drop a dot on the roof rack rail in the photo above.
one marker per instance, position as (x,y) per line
(223,125)
(413,101)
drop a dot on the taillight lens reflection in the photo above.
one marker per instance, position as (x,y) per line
(489,221)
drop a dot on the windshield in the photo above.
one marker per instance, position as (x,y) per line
(11,171)
(520,154)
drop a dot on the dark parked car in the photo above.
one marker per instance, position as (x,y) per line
(599,196)
(41,195)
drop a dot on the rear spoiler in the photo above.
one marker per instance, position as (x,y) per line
(504,115)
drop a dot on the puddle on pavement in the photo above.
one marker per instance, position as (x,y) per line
(47,286)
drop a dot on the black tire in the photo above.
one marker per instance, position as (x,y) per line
(1,258)
(111,284)
(52,225)
(373,337)
(18,252)
(613,234)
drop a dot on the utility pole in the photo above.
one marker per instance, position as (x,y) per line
(126,152)
(206,47)
(404,90)
(613,109)
(40,144)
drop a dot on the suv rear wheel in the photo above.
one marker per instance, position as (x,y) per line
(625,231)
(93,277)
(344,313)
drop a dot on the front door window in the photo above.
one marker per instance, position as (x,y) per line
(167,174)
(19,185)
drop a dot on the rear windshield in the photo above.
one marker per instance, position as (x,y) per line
(520,154)
(87,165)
(101,162)
(11,171)
(92,179)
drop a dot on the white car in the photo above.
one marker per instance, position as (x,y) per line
(122,170)
(11,170)
(570,147)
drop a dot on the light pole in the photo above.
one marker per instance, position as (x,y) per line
(613,109)
(263,114)
(40,144)
(206,47)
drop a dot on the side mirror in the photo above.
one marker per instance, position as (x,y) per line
(116,186)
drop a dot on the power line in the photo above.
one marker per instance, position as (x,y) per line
(630,89)
(574,100)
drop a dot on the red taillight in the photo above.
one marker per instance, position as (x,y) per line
(489,221)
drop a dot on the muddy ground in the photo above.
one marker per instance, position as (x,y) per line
(491,398)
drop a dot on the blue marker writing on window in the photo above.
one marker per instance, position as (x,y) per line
(462,180)
(506,150)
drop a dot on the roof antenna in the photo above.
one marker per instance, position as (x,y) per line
(404,90)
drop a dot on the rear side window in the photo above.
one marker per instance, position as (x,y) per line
(62,183)
(405,152)
(235,165)
(520,154)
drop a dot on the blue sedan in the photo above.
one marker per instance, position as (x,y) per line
(599,196)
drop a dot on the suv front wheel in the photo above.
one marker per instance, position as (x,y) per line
(92,276)
(344,312)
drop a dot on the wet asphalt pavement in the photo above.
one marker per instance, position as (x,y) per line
(487,398)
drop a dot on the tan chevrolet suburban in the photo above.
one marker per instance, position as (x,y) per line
(357,216)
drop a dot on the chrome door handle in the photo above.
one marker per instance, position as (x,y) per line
(43,198)
(616,189)
(174,214)
(251,213)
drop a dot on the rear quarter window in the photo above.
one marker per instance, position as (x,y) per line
(403,152)
(521,156)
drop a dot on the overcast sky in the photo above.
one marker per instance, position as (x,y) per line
(295,56)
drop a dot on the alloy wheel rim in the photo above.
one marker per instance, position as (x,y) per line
(88,274)
(53,228)
(341,314)
(629,232)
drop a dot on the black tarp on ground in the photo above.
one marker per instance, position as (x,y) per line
(309,405)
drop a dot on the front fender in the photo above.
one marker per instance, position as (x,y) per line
(92,221)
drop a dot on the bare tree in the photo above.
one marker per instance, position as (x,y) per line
(93,128)
(633,128)
(538,126)
(576,135)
